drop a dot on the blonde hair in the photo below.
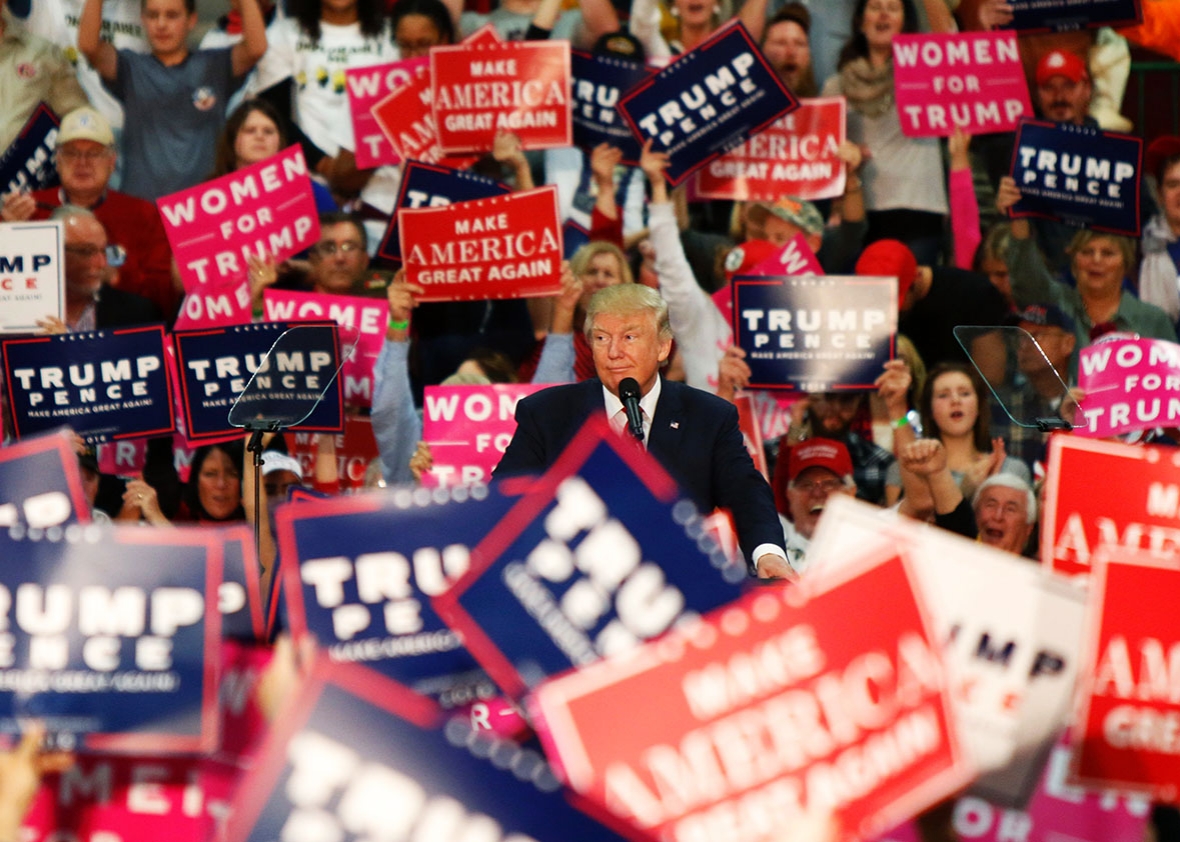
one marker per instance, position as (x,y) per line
(580,262)
(624,299)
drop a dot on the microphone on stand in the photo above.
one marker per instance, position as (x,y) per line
(629,395)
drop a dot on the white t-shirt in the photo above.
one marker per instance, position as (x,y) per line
(320,106)
(57,22)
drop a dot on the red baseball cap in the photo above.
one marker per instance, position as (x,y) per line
(742,259)
(1061,63)
(819,453)
(1161,149)
(890,258)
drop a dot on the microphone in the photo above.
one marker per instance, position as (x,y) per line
(629,395)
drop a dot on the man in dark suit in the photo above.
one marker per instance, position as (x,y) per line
(693,434)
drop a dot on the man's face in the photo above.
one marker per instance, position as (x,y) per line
(85,166)
(1001,515)
(787,49)
(339,260)
(1057,344)
(1063,101)
(628,345)
(807,495)
(832,413)
(86,257)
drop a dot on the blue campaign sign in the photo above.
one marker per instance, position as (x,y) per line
(106,384)
(1082,176)
(815,333)
(27,164)
(359,757)
(214,365)
(111,636)
(433,186)
(239,599)
(707,101)
(359,573)
(1068,15)
(41,484)
(573,237)
(598,82)
(601,554)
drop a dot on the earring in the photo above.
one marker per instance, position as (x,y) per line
(716,10)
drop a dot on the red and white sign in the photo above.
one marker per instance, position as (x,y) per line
(851,718)
(218,303)
(969,80)
(355,449)
(502,247)
(1099,492)
(406,118)
(1130,384)
(468,429)
(363,323)
(518,86)
(1128,728)
(366,87)
(796,258)
(795,155)
(263,209)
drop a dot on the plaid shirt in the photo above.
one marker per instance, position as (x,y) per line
(869,464)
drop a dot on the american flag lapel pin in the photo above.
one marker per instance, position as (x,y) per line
(675,425)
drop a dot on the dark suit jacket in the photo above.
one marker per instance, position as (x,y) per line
(694,435)
(119,308)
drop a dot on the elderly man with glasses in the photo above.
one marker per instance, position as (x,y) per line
(139,257)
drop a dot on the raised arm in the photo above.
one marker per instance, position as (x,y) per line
(101,54)
(250,50)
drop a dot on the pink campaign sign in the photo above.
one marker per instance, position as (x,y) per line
(468,428)
(263,209)
(1130,384)
(796,258)
(367,86)
(1056,812)
(972,80)
(363,322)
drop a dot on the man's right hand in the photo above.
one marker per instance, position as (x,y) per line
(18,207)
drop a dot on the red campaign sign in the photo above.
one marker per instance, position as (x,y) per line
(355,449)
(751,431)
(1135,505)
(517,86)
(851,718)
(503,247)
(363,323)
(263,209)
(468,428)
(793,156)
(796,258)
(366,87)
(485,36)
(969,80)
(406,118)
(1128,728)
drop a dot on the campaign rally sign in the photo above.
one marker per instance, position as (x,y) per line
(215,365)
(598,82)
(1138,511)
(359,574)
(27,164)
(358,757)
(848,718)
(1070,15)
(263,210)
(1130,384)
(106,384)
(112,637)
(707,101)
(32,273)
(1011,638)
(1058,810)
(355,448)
(814,333)
(468,429)
(1080,175)
(795,258)
(363,323)
(366,87)
(972,81)
(407,119)
(796,156)
(600,554)
(41,483)
(434,186)
(521,87)
(503,247)
(573,237)
(1128,725)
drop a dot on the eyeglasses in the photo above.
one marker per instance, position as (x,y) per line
(89,155)
(86,252)
(329,248)
(828,486)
